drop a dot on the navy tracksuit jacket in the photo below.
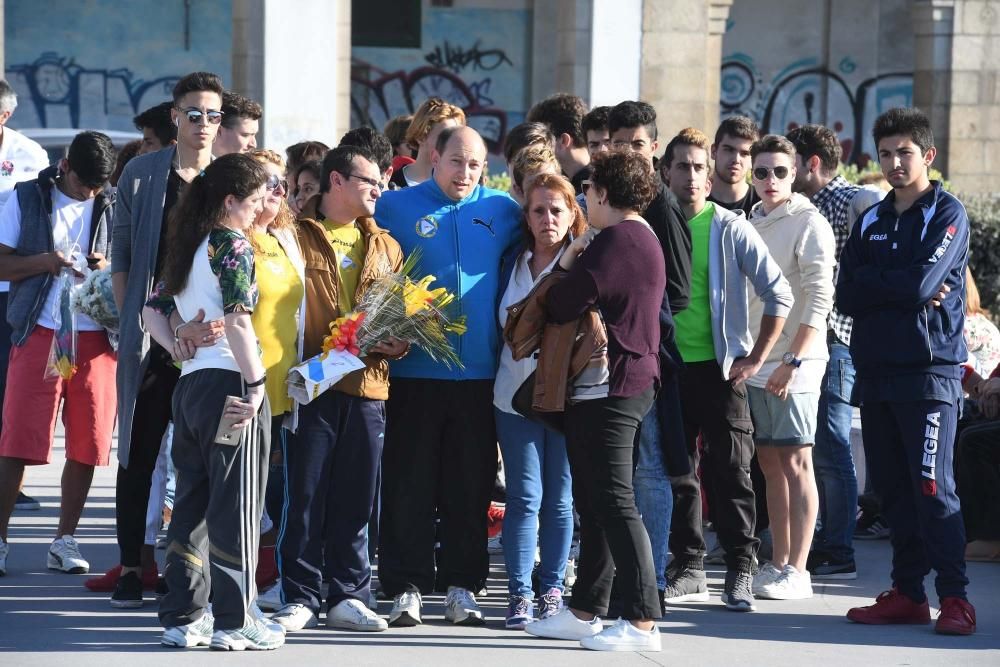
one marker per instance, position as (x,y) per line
(907,354)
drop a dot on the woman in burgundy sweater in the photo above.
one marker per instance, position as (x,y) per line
(620,272)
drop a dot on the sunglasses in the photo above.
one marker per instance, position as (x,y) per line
(763,173)
(273,182)
(194,115)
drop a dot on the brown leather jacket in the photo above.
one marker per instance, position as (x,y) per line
(382,256)
(564,349)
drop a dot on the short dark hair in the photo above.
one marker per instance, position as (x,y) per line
(314,167)
(818,140)
(595,120)
(304,151)
(395,129)
(626,177)
(92,158)
(524,135)
(376,143)
(737,127)
(341,160)
(906,121)
(772,143)
(631,113)
(158,120)
(236,107)
(563,113)
(198,82)
(128,151)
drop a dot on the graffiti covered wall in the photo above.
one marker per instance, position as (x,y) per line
(477,59)
(836,62)
(96,64)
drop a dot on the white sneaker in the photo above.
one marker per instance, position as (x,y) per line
(405,610)
(565,625)
(623,636)
(767,575)
(64,555)
(197,633)
(4,552)
(270,600)
(461,608)
(255,635)
(351,614)
(791,585)
(256,612)
(372,600)
(294,617)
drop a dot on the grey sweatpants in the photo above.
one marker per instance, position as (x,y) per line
(215,530)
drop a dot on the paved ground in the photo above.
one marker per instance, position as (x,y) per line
(48,618)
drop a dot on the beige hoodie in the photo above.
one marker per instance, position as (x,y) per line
(801,241)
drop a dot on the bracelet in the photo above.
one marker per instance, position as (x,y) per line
(177,329)
(258,383)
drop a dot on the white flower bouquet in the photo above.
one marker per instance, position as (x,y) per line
(95,299)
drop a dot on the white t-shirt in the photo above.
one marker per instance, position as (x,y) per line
(512,374)
(70,231)
(20,160)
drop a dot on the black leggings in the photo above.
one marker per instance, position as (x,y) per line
(600,437)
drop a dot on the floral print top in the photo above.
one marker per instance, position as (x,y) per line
(231,257)
(983,340)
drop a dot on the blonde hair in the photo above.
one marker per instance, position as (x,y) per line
(434,110)
(973,304)
(285,217)
(531,160)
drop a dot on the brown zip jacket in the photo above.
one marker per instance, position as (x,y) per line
(564,349)
(322,288)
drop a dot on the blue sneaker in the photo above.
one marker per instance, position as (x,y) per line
(519,613)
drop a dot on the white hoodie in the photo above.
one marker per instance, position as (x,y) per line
(801,241)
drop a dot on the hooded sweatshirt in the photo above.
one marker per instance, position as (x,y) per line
(801,241)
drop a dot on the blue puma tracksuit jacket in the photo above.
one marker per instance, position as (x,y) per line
(463,244)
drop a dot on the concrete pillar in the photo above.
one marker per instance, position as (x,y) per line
(956,72)
(681,61)
(269,49)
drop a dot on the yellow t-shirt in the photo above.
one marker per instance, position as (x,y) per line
(280,295)
(349,246)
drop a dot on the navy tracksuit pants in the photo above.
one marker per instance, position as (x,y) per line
(331,478)
(910,448)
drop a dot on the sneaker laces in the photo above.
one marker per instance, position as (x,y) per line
(551,601)
(519,606)
(360,611)
(462,597)
(408,599)
(69,547)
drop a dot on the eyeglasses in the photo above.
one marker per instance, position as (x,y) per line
(763,173)
(370,181)
(194,115)
(585,185)
(273,182)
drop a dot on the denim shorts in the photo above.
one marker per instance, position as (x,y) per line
(783,423)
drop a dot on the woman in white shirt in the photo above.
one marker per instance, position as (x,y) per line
(221,414)
(539,508)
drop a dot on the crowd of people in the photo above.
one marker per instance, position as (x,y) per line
(651,335)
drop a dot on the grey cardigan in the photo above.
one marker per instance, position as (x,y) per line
(738,260)
(142,191)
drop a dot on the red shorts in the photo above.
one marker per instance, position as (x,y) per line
(31,404)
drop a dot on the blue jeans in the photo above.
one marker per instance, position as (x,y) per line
(653,496)
(836,478)
(539,507)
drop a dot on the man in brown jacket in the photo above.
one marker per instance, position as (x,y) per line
(333,460)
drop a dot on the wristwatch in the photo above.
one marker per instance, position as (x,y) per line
(790,359)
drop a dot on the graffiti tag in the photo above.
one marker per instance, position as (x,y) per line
(457,58)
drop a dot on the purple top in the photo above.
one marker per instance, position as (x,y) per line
(622,273)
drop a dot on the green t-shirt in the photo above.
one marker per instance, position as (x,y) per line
(694,323)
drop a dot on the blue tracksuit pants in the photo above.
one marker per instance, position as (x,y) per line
(909,447)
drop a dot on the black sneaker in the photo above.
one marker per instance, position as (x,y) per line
(128,592)
(688,585)
(825,566)
(26,503)
(737,594)
(871,527)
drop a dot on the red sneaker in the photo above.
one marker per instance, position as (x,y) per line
(892,607)
(107,582)
(267,568)
(957,617)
